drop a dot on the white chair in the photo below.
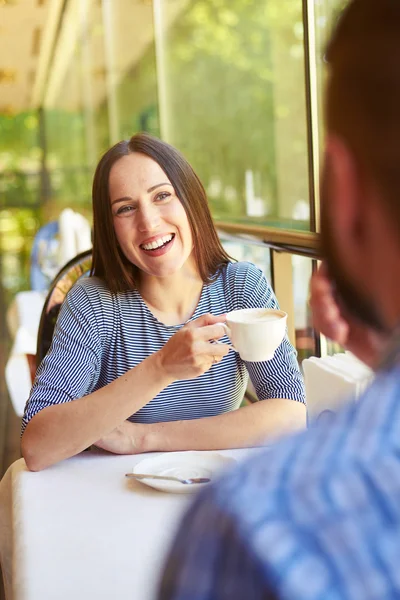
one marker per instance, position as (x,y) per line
(23,319)
(74,235)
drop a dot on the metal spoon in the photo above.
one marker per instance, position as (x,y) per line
(169,478)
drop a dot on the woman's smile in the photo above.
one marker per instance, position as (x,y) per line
(158,245)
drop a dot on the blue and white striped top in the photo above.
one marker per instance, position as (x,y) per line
(100,335)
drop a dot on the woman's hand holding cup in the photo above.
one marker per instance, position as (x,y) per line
(192,350)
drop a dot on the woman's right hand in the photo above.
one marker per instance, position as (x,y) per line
(190,352)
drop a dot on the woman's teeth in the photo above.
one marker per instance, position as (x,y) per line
(158,243)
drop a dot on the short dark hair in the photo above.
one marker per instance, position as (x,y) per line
(363,95)
(109,262)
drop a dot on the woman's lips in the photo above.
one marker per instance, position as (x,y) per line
(159,251)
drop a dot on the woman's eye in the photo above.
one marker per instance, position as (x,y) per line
(124,210)
(162,196)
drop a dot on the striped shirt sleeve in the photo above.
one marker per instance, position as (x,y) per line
(281,376)
(72,366)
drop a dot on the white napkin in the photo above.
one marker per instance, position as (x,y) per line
(332,381)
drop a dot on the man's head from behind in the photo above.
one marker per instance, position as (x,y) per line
(361,178)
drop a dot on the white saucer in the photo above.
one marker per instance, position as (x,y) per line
(183,465)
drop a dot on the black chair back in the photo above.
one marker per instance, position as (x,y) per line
(77,267)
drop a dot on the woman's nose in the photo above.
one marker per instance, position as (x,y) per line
(149,218)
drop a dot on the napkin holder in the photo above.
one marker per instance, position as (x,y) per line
(331,382)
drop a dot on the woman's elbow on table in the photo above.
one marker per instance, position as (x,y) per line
(34,442)
(31,461)
(283,416)
(297,415)
(46,440)
(34,458)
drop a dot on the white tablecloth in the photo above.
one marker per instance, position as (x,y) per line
(81,530)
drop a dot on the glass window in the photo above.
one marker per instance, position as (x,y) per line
(20,160)
(256,252)
(232,89)
(17,231)
(76,108)
(130,35)
(304,332)
(326,13)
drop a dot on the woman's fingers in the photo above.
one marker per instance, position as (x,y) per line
(193,349)
(220,349)
(210,332)
(209,354)
(200,343)
(205,320)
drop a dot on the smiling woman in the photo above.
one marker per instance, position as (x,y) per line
(121,173)
(134,365)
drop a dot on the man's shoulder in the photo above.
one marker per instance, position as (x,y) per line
(362,432)
(320,495)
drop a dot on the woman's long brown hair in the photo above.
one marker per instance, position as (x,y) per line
(109,262)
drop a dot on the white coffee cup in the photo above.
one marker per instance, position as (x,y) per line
(256,332)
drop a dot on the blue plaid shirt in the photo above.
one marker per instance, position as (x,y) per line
(315,517)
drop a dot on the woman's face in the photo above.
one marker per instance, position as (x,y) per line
(150,222)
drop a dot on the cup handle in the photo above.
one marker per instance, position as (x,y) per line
(228,333)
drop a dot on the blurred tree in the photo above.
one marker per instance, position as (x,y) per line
(236,102)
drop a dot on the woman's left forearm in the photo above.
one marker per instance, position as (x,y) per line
(253,425)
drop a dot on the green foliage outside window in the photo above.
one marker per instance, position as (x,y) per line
(234,73)
(233,77)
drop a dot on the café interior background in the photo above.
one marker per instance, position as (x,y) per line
(236,85)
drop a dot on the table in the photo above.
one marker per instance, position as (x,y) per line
(81,530)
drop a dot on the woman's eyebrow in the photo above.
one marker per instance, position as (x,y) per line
(151,189)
